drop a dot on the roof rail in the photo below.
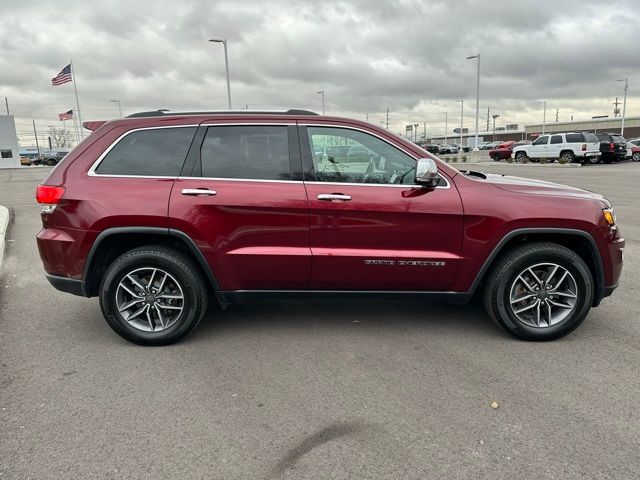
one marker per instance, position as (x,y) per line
(165,112)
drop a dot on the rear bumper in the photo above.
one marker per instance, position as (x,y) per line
(67,285)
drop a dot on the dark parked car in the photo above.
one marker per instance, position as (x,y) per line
(52,158)
(161,212)
(612,146)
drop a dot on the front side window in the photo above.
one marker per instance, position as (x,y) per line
(556,139)
(156,152)
(542,141)
(350,156)
(256,152)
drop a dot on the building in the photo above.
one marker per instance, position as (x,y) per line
(533,131)
(9,150)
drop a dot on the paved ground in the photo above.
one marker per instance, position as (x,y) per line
(344,389)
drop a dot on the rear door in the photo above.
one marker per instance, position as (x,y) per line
(243,202)
(372,228)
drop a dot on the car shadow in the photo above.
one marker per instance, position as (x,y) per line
(392,314)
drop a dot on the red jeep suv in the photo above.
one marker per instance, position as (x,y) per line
(161,211)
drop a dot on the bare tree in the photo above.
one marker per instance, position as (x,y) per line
(60,137)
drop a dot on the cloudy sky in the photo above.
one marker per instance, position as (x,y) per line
(367,55)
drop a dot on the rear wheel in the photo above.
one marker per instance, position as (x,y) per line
(593,160)
(153,295)
(636,157)
(539,291)
(568,157)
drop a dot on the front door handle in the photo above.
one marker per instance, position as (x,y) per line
(198,191)
(333,197)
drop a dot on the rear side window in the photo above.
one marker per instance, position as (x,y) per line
(574,138)
(556,139)
(590,137)
(619,139)
(156,152)
(259,152)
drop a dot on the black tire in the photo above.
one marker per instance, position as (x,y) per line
(636,157)
(568,156)
(496,158)
(506,270)
(593,160)
(521,157)
(180,267)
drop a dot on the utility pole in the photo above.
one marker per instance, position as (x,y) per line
(556,115)
(488,115)
(322,93)
(616,110)
(387,118)
(415,131)
(424,135)
(461,121)
(6,102)
(36,137)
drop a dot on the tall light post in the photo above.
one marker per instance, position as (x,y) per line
(494,116)
(322,93)
(226,66)
(415,132)
(119,106)
(544,114)
(461,119)
(446,126)
(624,102)
(477,97)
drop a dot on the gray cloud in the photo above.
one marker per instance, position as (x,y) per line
(366,54)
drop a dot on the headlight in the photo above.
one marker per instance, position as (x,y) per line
(609,216)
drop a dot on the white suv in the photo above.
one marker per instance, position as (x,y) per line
(572,147)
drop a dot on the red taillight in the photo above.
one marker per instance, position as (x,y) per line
(49,195)
(612,147)
(584,147)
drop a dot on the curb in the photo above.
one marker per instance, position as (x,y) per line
(4,221)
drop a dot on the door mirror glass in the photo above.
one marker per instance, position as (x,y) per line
(427,172)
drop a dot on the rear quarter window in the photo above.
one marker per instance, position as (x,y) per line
(575,138)
(156,152)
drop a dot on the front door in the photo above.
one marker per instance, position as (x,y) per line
(372,228)
(539,147)
(245,206)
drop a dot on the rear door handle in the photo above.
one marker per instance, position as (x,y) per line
(198,191)
(331,197)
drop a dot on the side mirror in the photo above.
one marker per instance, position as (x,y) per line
(427,172)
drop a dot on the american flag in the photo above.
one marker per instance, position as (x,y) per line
(66,115)
(63,77)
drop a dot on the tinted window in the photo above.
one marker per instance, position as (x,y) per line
(155,152)
(248,152)
(542,141)
(603,138)
(618,139)
(351,156)
(590,137)
(6,153)
(556,139)
(574,138)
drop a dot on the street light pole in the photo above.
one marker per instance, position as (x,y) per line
(119,106)
(226,66)
(477,97)
(446,126)
(322,92)
(624,103)
(461,117)
(494,116)
(544,114)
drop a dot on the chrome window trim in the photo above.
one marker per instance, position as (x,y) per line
(326,125)
(222,179)
(92,171)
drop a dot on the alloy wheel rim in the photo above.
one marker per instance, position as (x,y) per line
(149,299)
(543,295)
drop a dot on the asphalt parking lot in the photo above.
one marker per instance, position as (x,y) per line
(317,389)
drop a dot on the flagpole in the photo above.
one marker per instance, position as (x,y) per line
(75,88)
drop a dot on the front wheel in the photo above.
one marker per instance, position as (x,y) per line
(539,291)
(521,157)
(153,295)
(636,157)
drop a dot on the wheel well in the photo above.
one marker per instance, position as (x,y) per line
(577,243)
(567,151)
(117,244)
